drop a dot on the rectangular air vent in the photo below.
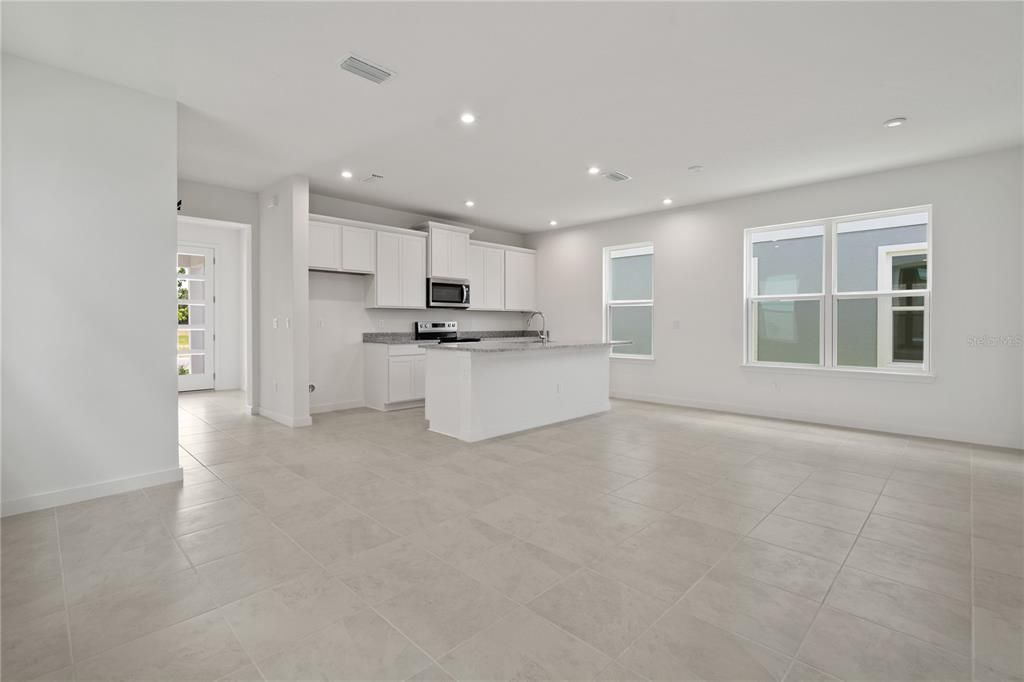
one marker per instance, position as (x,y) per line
(373,177)
(365,69)
(616,176)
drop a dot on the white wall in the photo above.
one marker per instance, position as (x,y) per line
(353,210)
(338,318)
(976,395)
(89,387)
(228,287)
(284,302)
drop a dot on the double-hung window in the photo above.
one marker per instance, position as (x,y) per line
(850,292)
(629,299)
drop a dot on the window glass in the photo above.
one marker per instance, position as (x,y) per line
(857,332)
(787,261)
(630,277)
(860,253)
(788,331)
(631,323)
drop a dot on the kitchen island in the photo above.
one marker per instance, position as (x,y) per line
(481,390)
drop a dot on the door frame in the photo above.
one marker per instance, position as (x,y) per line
(248,304)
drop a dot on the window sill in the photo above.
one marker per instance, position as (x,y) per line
(921,377)
(641,358)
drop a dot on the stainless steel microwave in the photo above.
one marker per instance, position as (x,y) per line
(445,292)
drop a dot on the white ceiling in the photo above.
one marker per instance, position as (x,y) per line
(764,95)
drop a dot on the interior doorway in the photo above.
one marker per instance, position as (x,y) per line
(197,315)
(215,307)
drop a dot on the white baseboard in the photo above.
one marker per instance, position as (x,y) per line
(285,419)
(899,428)
(89,492)
(334,407)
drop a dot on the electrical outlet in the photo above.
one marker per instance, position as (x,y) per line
(275,327)
(675,324)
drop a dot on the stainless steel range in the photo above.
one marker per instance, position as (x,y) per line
(442,332)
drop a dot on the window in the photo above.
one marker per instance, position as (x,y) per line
(834,293)
(629,299)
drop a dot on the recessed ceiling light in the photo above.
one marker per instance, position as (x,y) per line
(666,201)
(468,117)
(552,223)
(593,170)
(895,122)
(347,174)
(695,169)
(470,203)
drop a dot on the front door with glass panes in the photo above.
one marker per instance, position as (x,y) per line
(195,317)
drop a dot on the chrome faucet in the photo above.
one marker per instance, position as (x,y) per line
(543,325)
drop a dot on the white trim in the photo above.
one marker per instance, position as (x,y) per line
(210,222)
(625,250)
(898,220)
(762,234)
(369,226)
(630,251)
(898,427)
(285,419)
(334,407)
(89,492)
(192,382)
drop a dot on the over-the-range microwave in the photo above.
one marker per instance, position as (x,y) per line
(446,292)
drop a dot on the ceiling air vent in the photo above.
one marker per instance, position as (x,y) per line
(365,69)
(616,176)
(373,177)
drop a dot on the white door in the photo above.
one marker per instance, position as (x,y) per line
(195,317)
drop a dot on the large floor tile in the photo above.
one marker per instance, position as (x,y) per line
(686,539)
(199,648)
(651,567)
(339,534)
(799,573)
(808,538)
(445,612)
(205,545)
(852,648)
(720,513)
(935,618)
(278,618)
(682,647)
(752,609)
(762,499)
(919,537)
(927,571)
(524,646)
(191,519)
(822,514)
(603,612)
(360,647)
(460,539)
(518,569)
(239,575)
(386,571)
(838,495)
(518,515)
(146,607)
(33,647)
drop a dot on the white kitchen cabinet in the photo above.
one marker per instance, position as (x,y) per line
(358,249)
(486,276)
(400,278)
(324,246)
(394,375)
(449,250)
(520,280)
(341,247)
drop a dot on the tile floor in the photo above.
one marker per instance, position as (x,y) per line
(648,543)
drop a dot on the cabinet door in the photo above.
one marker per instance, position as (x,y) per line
(419,377)
(324,246)
(388,282)
(414,272)
(400,371)
(357,249)
(477,278)
(459,249)
(494,279)
(520,281)
(440,253)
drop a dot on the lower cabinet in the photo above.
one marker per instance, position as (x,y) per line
(394,375)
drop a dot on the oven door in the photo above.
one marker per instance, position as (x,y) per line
(447,293)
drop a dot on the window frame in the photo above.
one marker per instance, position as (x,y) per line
(639,249)
(830,296)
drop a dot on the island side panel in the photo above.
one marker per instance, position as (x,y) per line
(519,390)
(448,393)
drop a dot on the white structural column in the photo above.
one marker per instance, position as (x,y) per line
(474,395)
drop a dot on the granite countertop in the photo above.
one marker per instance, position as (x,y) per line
(396,338)
(525,345)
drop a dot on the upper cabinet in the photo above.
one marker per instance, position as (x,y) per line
(449,250)
(401,279)
(520,279)
(341,246)
(486,276)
